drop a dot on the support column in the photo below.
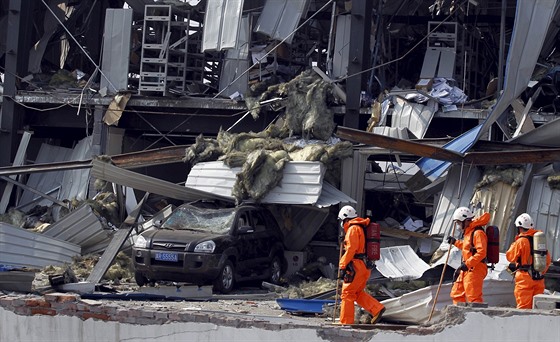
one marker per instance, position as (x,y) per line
(98,142)
(360,31)
(16,59)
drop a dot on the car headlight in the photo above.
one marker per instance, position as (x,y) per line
(205,247)
(141,242)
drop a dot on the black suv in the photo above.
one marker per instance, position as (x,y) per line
(204,245)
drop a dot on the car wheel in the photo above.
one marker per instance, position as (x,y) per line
(225,281)
(140,279)
(275,270)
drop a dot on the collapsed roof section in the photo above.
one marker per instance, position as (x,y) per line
(301,183)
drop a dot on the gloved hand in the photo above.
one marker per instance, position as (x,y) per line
(341,273)
(456,275)
(463,267)
(512,267)
(451,240)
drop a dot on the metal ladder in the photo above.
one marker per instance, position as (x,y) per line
(164,51)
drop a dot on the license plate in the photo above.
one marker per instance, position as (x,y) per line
(167,257)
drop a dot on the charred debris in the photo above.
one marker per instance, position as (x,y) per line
(411,108)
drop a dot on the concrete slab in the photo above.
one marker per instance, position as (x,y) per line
(182,291)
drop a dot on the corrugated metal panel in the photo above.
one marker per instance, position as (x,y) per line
(22,248)
(45,182)
(544,208)
(301,183)
(415,306)
(19,160)
(341,46)
(433,168)
(429,65)
(75,182)
(414,116)
(457,191)
(532,19)
(401,263)
(280,18)
(332,196)
(498,199)
(149,184)
(393,132)
(80,227)
(221,24)
(236,62)
(116,49)
(545,135)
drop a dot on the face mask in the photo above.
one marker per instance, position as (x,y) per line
(458,226)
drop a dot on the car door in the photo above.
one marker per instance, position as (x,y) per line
(246,243)
(264,240)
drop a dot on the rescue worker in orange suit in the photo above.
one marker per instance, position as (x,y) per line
(354,269)
(473,269)
(519,254)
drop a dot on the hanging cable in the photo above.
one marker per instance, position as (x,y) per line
(78,44)
(406,53)
(274,48)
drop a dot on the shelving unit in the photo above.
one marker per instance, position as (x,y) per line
(163,62)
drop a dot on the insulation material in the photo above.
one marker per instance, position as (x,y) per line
(261,172)
(496,193)
(262,156)
(80,267)
(306,110)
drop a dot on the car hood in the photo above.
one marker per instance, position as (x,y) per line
(167,235)
(180,240)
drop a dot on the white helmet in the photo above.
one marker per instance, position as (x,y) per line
(462,214)
(347,212)
(524,220)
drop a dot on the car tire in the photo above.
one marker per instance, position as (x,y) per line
(275,270)
(140,279)
(226,280)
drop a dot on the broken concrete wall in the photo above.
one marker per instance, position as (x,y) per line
(33,318)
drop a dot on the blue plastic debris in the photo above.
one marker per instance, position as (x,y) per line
(303,305)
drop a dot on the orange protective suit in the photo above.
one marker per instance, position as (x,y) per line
(525,287)
(468,287)
(354,243)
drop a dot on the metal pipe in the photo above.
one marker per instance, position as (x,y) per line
(502,48)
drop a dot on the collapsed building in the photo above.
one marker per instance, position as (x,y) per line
(411,112)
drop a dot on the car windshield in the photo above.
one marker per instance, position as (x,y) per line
(208,220)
